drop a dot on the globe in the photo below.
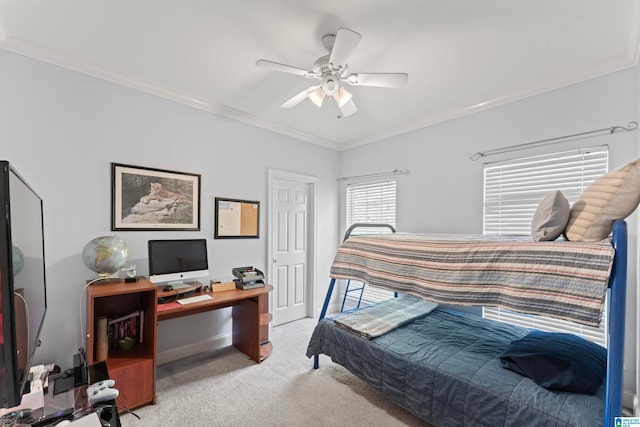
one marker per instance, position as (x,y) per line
(18,260)
(105,255)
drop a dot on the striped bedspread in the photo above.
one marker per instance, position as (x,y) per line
(378,319)
(560,279)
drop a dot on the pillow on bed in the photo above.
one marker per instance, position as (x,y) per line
(612,196)
(556,361)
(551,217)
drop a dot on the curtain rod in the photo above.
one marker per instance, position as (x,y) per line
(376,175)
(631,126)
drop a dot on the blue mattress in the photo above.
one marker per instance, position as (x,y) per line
(445,368)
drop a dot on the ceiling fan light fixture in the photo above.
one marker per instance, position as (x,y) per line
(317,96)
(333,71)
(343,96)
(330,84)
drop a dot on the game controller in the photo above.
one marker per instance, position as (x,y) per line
(100,384)
(101,391)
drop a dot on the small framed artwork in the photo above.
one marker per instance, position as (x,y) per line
(154,199)
(237,219)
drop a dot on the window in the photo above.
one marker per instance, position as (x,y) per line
(371,202)
(512,191)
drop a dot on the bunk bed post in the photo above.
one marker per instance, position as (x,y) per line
(615,347)
(323,313)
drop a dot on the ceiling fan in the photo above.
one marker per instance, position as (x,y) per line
(333,71)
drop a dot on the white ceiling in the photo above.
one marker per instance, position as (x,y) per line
(461,55)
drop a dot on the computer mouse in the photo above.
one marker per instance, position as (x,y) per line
(167,288)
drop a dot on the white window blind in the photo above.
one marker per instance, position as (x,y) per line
(512,191)
(371,202)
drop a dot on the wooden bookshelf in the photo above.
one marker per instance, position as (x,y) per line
(133,370)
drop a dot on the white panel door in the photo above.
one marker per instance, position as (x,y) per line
(290,251)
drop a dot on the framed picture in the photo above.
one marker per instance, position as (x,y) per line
(237,219)
(154,199)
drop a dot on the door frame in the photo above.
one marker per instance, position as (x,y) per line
(312,224)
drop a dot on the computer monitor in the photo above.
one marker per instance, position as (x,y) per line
(22,282)
(177,262)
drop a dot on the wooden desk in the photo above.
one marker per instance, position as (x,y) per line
(134,370)
(250,316)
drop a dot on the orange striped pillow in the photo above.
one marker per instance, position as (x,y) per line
(615,195)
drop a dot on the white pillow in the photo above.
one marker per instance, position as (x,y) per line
(551,217)
(615,195)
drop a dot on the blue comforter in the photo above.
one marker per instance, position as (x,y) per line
(445,368)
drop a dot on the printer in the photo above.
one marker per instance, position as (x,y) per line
(248,278)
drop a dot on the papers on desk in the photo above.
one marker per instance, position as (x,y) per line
(169,306)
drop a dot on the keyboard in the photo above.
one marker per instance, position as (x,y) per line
(197,298)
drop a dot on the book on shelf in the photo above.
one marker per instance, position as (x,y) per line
(128,325)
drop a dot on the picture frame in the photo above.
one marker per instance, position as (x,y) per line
(236,218)
(144,198)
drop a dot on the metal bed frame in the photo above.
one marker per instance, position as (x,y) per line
(361,285)
(616,319)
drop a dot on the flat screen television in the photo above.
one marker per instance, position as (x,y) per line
(177,262)
(22,278)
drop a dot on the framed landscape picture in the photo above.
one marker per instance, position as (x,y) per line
(154,199)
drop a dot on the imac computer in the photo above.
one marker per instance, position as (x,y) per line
(177,262)
(23,297)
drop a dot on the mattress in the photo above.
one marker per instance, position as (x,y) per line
(445,368)
(560,279)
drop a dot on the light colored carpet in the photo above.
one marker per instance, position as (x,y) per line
(225,388)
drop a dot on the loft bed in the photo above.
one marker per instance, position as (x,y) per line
(445,366)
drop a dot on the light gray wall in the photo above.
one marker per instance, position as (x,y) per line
(444,191)
(61,130)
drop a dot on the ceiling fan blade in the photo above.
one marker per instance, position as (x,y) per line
(285,68)
(345,43)
(393,80)
(348,108)
(299,97)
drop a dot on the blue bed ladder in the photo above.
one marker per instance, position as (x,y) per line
(360,286)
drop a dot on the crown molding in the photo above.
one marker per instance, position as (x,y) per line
(46,55)
(564,81)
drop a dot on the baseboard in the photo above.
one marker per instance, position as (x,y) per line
(215,343)
(629,401)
